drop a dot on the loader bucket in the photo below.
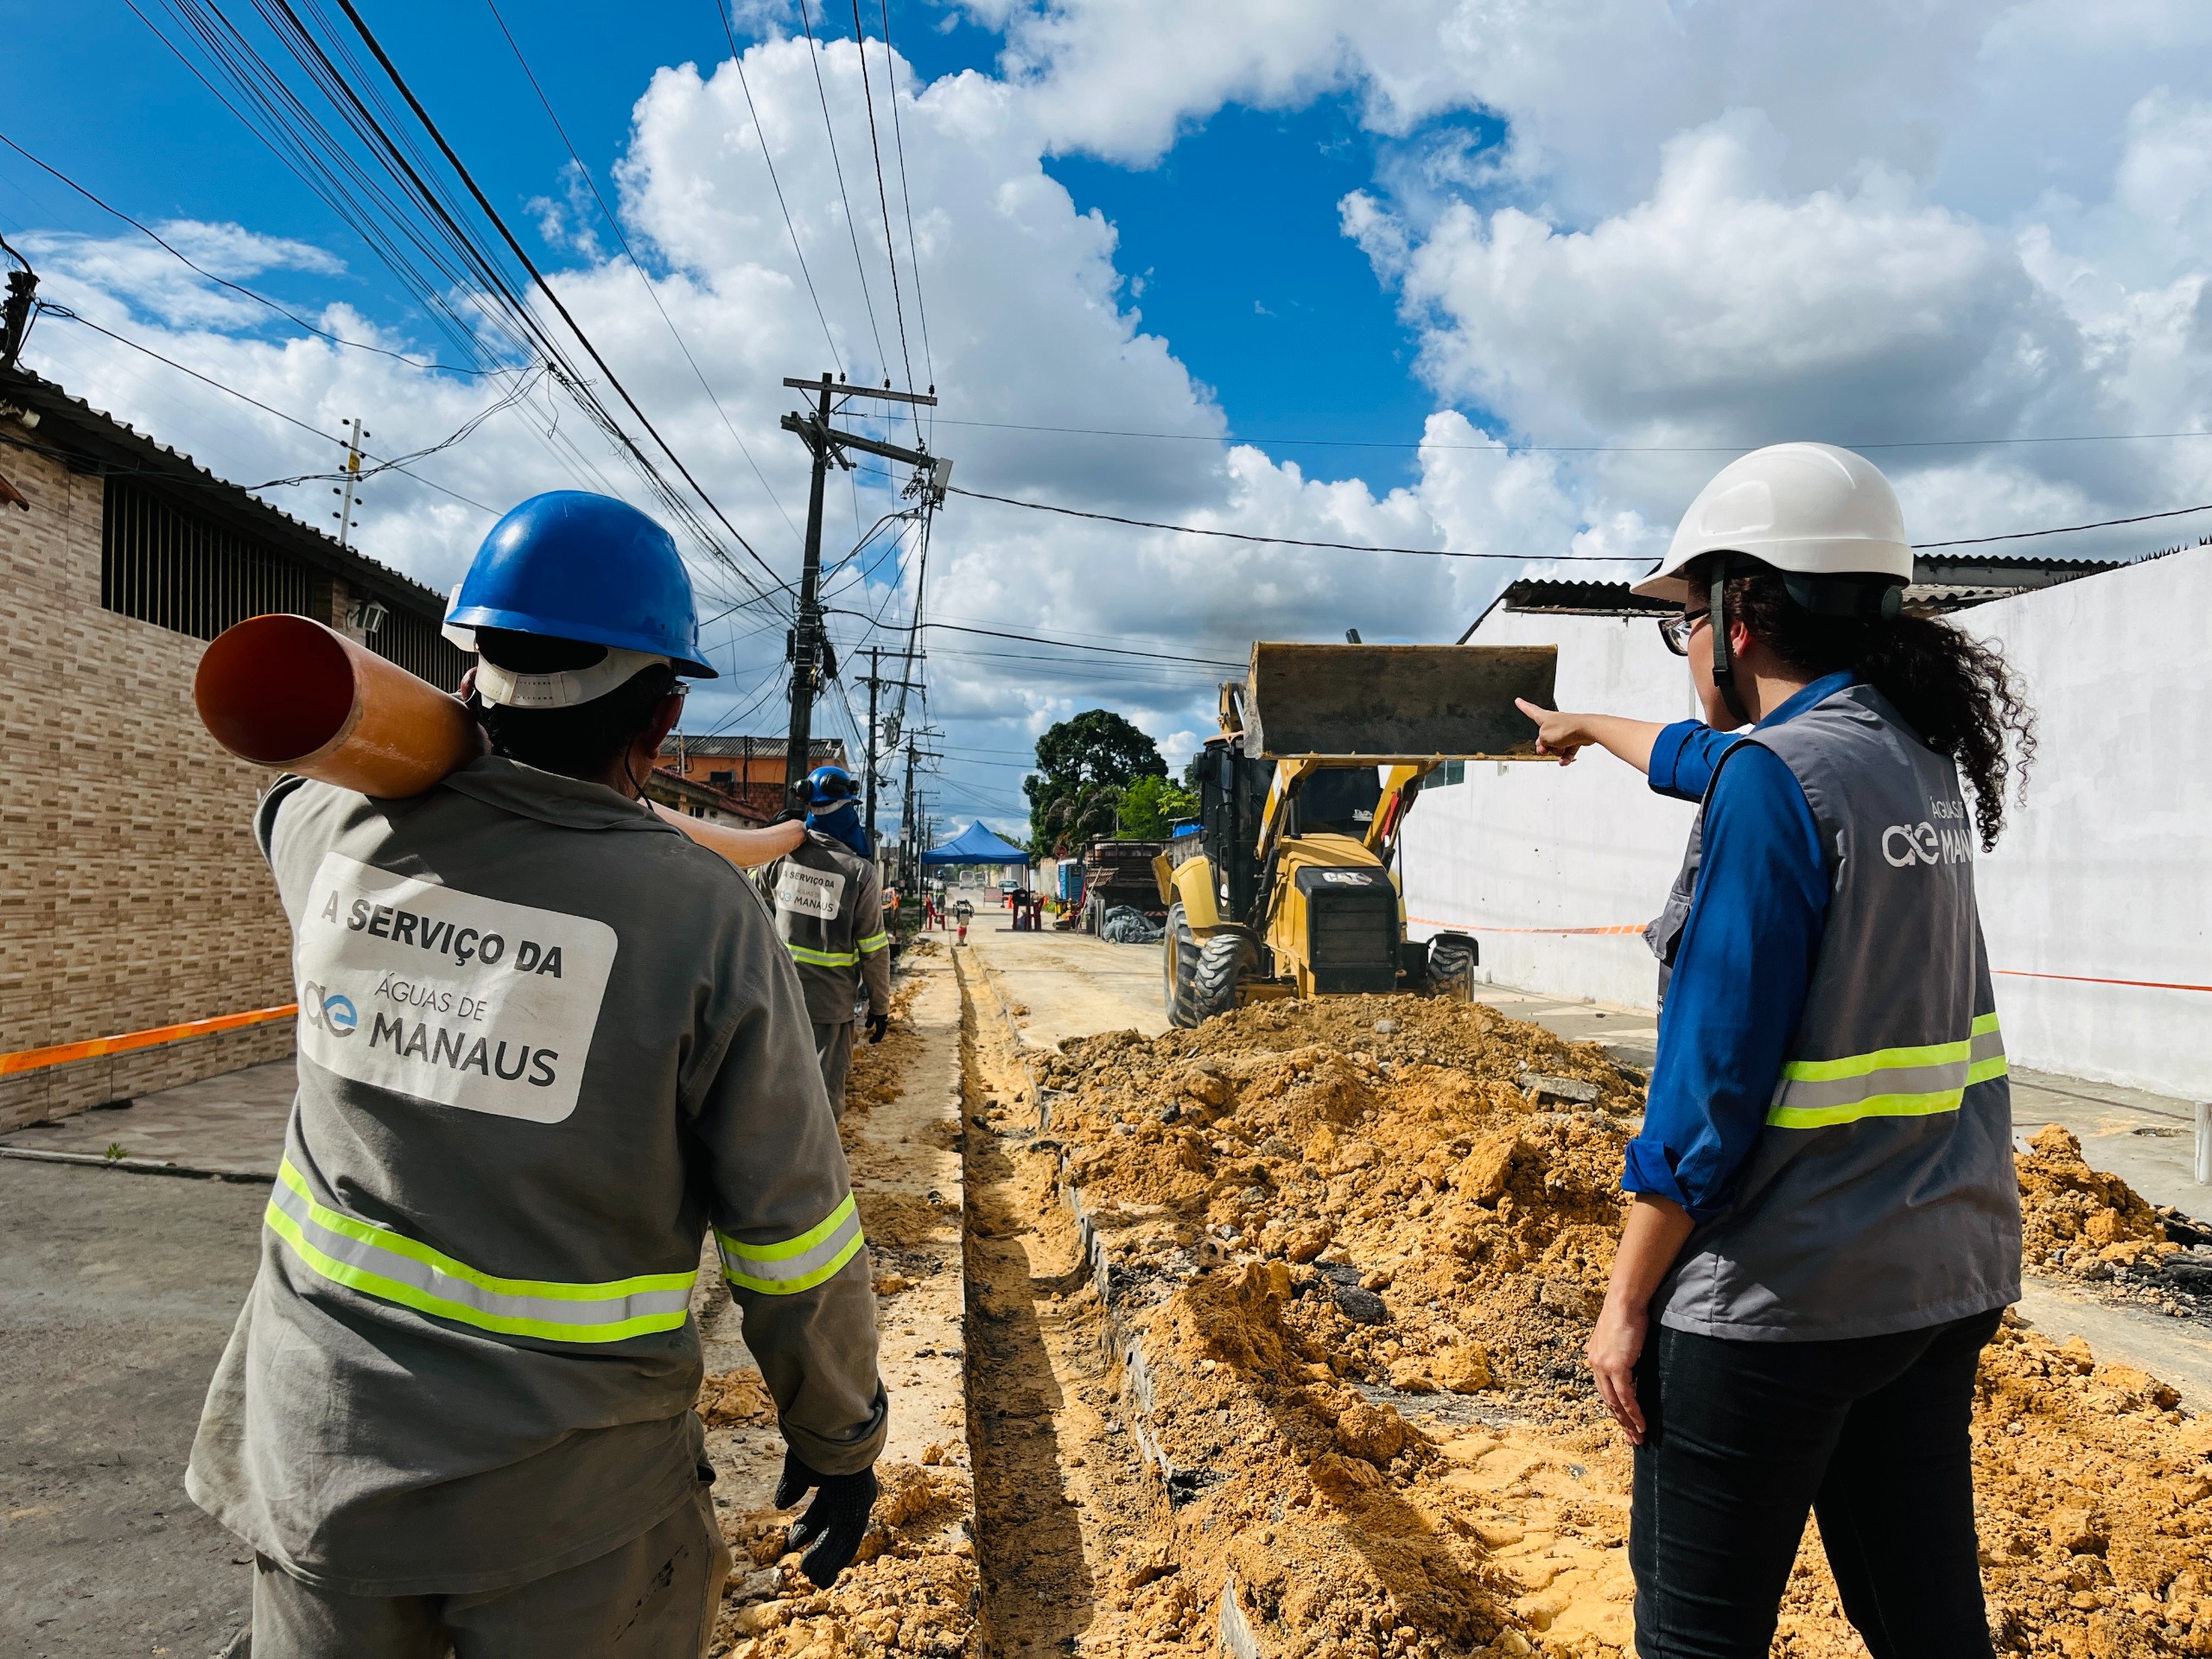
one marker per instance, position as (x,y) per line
(1394,704)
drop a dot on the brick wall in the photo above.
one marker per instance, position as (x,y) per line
(130,891)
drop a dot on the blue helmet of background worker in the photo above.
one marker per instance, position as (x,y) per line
(830,795)
(575,566)
(830,787)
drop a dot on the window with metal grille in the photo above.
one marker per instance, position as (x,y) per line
(162,563)
(189,573)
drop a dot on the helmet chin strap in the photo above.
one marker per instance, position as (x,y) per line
(1724,669)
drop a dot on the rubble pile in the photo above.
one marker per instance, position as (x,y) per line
(1362,1240)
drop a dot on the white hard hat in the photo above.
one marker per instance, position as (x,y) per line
(1811,508)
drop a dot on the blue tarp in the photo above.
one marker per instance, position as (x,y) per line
(975,845)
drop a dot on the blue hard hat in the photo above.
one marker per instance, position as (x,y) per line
(577,566)
(830,786)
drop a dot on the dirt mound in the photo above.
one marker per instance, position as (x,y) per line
(1363,1248)
(908,1592)
(2073,1214)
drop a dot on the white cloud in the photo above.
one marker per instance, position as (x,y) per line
(1703,224)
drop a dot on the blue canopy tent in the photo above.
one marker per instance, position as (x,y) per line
(975,845)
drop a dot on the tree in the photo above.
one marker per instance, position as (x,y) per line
(1084,765)
(1149,804)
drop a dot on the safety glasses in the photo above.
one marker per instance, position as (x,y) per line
(1676,630)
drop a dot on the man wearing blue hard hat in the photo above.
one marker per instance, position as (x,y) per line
(829,903)
(546,1043)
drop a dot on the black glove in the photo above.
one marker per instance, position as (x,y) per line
(833,1525)
(878,1025)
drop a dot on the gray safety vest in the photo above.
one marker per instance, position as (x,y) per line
(1881,1195)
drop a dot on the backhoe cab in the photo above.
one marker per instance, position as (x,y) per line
(1287,884)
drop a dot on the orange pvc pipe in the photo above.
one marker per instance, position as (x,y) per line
(286,692)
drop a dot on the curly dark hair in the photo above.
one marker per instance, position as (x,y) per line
(1956,692)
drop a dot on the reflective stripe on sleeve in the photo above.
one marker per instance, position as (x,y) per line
(822,958)
(797,1264)
(393,1268)
(875,942)
(1915,1082)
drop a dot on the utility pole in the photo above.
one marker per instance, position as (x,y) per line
(812,664)
(344,513)
(874,682)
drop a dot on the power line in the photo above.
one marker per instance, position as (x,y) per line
(906,202)
(737,61)
(67,315)
(1508,450)
(1296,541)
(883,200)
(483,202)
(169,248)
(814,58)
(1070,644)
(623,242)
(2063,530)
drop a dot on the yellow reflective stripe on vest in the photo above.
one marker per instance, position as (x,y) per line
(822,958)
(875,942)
(1915,1082)
(393,1268)
(799,1263)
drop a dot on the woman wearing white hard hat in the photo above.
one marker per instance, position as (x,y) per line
(1826,1221)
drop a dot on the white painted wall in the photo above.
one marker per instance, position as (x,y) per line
(2104,875)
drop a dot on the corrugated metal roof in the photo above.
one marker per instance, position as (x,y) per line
(1942,582)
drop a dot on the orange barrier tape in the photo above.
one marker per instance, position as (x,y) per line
(2006,973)
(2084,979)
(35,1060)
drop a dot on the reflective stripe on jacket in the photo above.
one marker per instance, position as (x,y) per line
(829,907)
(1881,1195)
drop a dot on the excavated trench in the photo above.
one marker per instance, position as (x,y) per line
(1271,1346)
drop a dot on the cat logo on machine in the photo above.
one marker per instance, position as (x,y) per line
(1347,878)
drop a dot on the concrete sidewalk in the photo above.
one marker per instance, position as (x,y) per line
(232,1124)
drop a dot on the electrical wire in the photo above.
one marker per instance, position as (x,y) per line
(2063,530)
(1296,541)
(737,61)
(48,308)
(623,242)
(814,57)
(1508,450)
(514,246)
(282,311)
(906,203)
(882,197)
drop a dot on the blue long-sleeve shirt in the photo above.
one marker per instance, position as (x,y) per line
(1744,965)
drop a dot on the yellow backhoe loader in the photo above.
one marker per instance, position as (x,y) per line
(1285,885)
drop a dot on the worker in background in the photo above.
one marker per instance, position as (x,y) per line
(1827,1224)
(830,914)
(545,1042)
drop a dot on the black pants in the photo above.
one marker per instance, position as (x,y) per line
(1745,1437)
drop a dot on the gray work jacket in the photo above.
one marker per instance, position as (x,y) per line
(1881,1195)
(829,906)
(544,1040)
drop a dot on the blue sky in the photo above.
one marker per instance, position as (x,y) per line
(1576,254)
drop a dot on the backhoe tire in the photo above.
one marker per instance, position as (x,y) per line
(1224,958)
(1452,960)
(1178,956)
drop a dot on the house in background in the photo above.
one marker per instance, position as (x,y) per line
(747,770)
